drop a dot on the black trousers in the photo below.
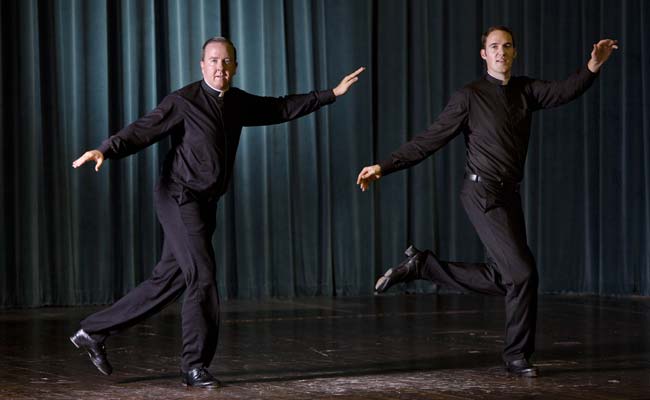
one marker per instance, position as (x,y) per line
(510,271)
(187,264)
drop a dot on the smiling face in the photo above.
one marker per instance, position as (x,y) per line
(499,53)
(218,65)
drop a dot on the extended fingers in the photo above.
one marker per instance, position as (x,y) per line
(81,160)
(347,81)
(356,73)
(95,155)
(607,43)
(353,77)
(362,175)
(367,175)
(363,184)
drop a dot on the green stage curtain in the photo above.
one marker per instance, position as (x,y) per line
(74,72)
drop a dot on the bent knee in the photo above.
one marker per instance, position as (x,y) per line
(525,274)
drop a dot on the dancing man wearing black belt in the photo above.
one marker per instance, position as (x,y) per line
(204,120)
(494,114)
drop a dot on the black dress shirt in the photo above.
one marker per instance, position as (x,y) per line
(205,129)
(495,120)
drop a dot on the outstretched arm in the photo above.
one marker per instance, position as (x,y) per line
(600,53)
(275,110)
(447,125)
(143,132)
(547,94)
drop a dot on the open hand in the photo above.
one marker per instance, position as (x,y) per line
(367,175)
(601,52)
(94,155)
(348,81)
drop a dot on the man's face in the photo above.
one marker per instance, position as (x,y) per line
(499,53)
(218,65)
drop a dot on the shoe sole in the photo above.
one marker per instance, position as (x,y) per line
(91,359)
(526,374)
(208,387)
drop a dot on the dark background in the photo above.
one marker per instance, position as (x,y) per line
(294,223)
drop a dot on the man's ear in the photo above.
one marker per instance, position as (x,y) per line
(483,55)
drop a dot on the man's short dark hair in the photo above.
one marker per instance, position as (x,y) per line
(496,28)
(219,39)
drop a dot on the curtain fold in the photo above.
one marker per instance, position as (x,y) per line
(293,223)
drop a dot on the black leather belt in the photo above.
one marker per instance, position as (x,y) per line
(476,178)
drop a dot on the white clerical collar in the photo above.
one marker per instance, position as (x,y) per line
(221,92)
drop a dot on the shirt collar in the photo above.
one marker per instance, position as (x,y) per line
(494,80)
(212,91)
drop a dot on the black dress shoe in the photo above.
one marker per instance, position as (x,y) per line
(201,378)
(96,350)
(407,271)
(522,368)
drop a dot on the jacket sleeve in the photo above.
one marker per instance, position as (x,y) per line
(448,125)
(259,110)
(547,94)
(145,131)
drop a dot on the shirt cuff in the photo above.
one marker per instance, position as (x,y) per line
(386,166)
(587,71)
(326,97)
(105,148)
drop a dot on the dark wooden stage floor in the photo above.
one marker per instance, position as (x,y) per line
(390,347)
